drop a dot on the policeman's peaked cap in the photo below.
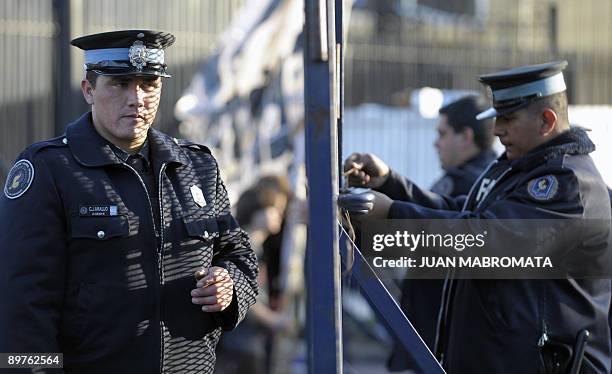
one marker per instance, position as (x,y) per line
(126,52)
(515,88)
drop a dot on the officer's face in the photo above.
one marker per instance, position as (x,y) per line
(449,144)
(518,131)
(124,108)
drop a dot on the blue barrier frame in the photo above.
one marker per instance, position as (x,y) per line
(323,303)
(387,309)
(324,95)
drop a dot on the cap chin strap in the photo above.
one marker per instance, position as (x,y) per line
(543,87)
(154,56)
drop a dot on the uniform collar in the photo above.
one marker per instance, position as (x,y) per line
(165,149)
(123,155)
(91,149)
(575,141)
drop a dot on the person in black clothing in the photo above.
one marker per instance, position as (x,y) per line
(464,149)
(546,173)
(463,145)
(118,246)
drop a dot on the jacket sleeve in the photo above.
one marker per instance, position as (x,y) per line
(403,189)
(566,202)
(235,254)
(33,263)
(562,212)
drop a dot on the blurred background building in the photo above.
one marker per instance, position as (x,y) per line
(396,46)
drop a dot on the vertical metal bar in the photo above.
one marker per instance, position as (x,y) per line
(62,90)
(322,258)
(339,73)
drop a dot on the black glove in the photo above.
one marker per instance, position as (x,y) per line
(356,201)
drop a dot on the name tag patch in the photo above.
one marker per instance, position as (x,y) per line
(97,210)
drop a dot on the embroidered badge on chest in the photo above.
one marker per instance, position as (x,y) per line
(19,179)
(543,188)
(198,196)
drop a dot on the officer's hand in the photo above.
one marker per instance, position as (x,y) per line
(366,205)
(357,202)
(382,204)
(365,170)
(214,290)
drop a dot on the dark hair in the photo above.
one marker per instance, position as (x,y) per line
(261,195)
(462,113)
(91,77)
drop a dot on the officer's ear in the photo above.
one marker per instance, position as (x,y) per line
(87,90)
(548,121)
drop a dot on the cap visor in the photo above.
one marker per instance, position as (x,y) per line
(489,113)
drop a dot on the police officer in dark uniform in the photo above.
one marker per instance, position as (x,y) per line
(522,326)
(464,146)
(117,243)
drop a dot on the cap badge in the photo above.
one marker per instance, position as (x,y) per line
(138,55)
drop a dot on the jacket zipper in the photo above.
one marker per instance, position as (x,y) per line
(160,263)
(144,186)
(159,243)
(448,281)
(543,339)
(442,313)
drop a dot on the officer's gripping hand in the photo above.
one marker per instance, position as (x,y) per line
(365,170)
(214,289)
(365,205)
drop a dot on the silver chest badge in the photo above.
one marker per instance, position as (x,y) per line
(138,55)
(198,196)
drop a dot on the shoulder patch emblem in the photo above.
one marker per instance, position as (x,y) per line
(19,179)
(543,188)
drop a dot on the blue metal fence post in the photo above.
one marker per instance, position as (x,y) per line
(324,318)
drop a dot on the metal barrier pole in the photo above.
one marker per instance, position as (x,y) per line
(389,312)
(324,319)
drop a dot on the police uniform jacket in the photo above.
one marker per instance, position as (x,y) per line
(86,272)
(458,180)
(523,326)
(421,298)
